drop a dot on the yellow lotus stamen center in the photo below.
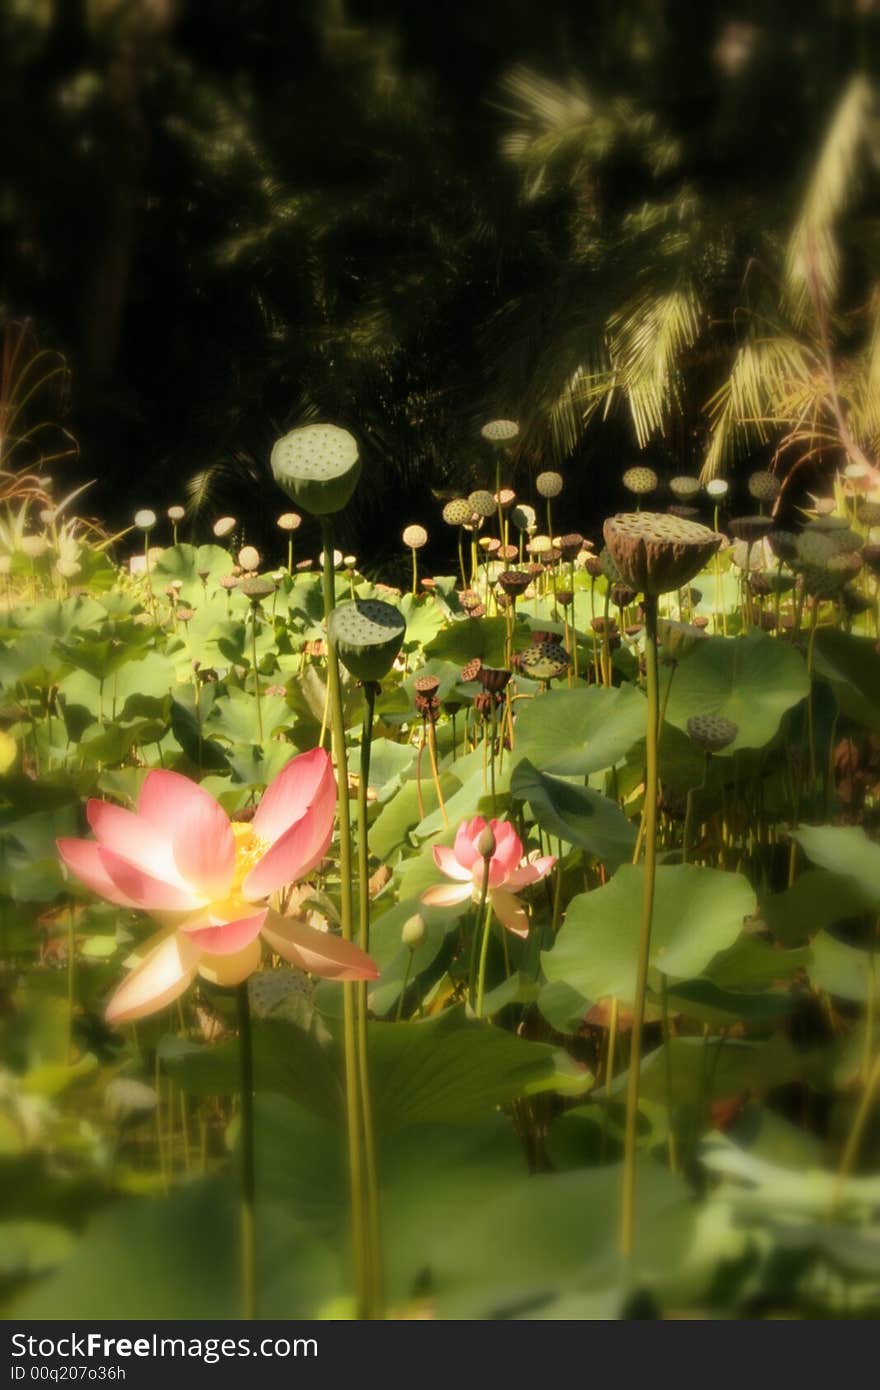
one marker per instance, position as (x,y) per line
(249,850)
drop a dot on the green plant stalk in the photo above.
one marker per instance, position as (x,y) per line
(484,899)
(415,572)
(628,1191)
(811,732)
(256,672)
(484,947)
(71,978)
(374,1221)
(360,1226)
(667,1070)
(248,1175)
(405,986)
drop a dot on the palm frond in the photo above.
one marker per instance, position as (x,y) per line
(813,255)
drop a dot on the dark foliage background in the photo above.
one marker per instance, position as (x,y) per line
(237,216)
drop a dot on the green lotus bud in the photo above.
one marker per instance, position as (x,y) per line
(412,933)
(318,467)
(486,842)
(367,635)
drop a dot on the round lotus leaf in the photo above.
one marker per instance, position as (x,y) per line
(318,467)
(367,634)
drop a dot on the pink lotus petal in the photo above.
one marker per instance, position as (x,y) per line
(318,952)
(225,938)
(304,786)
(510,912)
(146,892)
(446,861)
(156,981)
(83,859)
(531,872)
(446,894)
(508,848)
(233,969)
(195,825)
(135,839)
(294,855)
(466,851)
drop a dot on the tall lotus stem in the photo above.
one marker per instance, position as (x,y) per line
(374,1226)
(248,1178)
(360,1226)
(486,846)
(627,1215)
(254,663)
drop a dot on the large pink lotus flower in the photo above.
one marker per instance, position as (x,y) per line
(209,880)
(508,871)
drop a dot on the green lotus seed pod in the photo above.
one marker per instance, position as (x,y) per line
(764,486)
(499,431)
(549,484)
(639,480)
(256,587)
(544,661)
(318,467)
(684,487)
(711,732)
(457,512)
(482,503)
(523,516)
(367,635)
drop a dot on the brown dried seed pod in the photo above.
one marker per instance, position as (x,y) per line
(655,553)
(750,528)
(471,670)
(493,678)
(426,685)
(515,582)
(570,545)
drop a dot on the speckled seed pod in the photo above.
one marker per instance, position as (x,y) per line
(549,484)
(506,497)
(224,526)
(471,670)
(482,503)
(640,481)
(608,567)
(256,587)
(764,486)
(677,639)
(415,537)
(868,512)
(684,487)
(317,466)
(685,513)
(711,732)
(500,431)
(290,521)
(655,553)
(544,661)
(176,513)
(367,635)
(249,558)
(717,489)
(457,512)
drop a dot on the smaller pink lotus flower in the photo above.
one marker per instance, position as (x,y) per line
(508,871)
(209,881)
